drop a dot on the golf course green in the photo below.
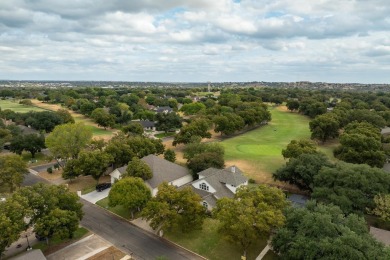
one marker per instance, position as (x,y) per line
(259,152)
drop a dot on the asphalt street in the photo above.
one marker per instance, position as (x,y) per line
(132,240)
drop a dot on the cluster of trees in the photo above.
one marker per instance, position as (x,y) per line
(78,154)
(324,232)
(41,121)
(54,211)
(352,187)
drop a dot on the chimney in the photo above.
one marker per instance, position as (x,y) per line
(233,169)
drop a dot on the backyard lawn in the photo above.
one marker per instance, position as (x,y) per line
(209,243)
(15,106)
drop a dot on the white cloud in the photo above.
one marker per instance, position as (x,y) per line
(196,40)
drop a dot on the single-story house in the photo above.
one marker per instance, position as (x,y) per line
(163,171)
(148,125)
(214,184)
(164,110)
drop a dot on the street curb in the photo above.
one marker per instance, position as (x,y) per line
(173,243)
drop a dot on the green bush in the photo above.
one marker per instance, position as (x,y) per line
(50,170)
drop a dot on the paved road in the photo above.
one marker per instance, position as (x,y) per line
(128,238)
(31,179)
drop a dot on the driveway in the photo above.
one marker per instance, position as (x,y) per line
(95,196)
(82,249)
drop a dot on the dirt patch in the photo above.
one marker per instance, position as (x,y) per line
(283,108)
(111,253)
(57,174)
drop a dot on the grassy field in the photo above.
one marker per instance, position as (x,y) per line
(15,106)
(209,243)
(259,152)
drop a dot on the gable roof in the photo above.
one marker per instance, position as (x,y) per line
(162,109)
(147,123)
(231,175)
(218,178)
(163,170)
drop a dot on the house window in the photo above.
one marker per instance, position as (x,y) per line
(203,186)
(205,204)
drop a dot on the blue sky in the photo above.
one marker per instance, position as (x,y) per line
(196,40)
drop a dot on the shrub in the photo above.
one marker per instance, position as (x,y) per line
(50,170)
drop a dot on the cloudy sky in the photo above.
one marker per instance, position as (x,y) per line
(196,40)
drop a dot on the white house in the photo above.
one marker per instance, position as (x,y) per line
(163,171)
(214,184)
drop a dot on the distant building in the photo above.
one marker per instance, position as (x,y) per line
(164,110)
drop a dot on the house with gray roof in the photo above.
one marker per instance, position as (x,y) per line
(214,184)
(164,110)
(163,171)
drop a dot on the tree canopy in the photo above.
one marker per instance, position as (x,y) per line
(298,147)
(12,171)
(138,168)
(252,214)
(302,170)
(66,141)
(130,192)
(174,208)
(351,187)
(324,232)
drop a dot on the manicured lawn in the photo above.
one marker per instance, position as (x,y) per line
(58,243)
(259,152)
(209,243)
(162,135)
(119,210)
(15,106)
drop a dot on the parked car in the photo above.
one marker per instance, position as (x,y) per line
(103,186)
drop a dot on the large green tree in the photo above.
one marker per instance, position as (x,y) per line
(205,160)
(174,208)
(251,215)
(138,168)
(193,149)
(129,192)
(168,121)
(324,232)
(324,127)
(66,141)
(103,118)
(93,163)
(301,171)
(58,223)
(361,143)
(351,187)
(12,171)
(32,143)
(298,147)
(197,127)
(228,123)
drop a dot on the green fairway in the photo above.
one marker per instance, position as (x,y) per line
(259,152)
(15,106)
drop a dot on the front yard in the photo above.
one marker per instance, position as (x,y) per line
(209,243)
